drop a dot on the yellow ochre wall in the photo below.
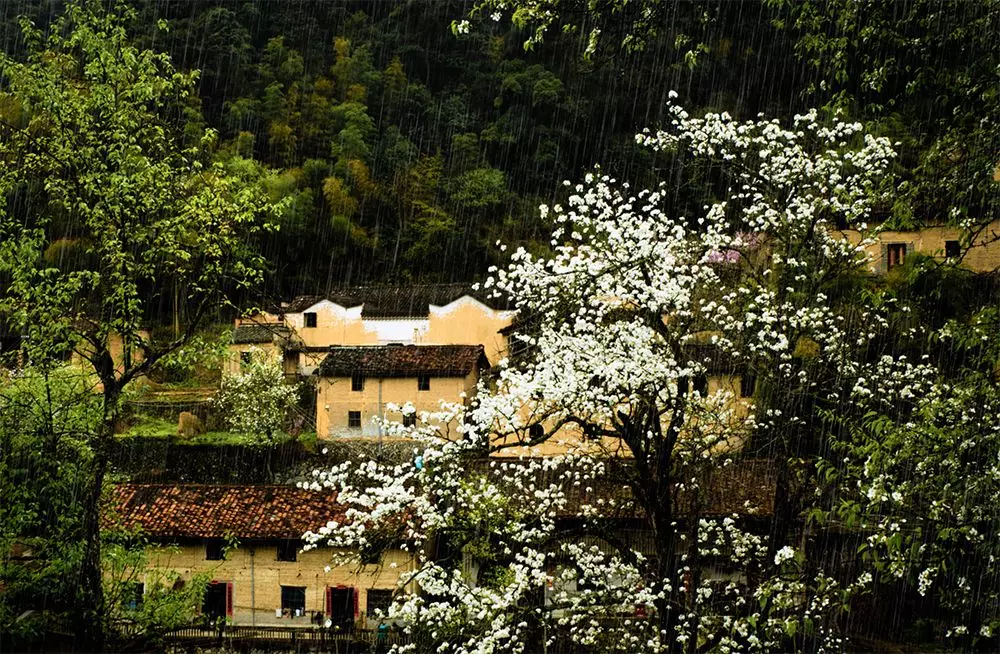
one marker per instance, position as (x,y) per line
(335,398)
(257,577)
(983,254)
(270,350)
(463,322)
(569,438)
(469,323)
(115,347)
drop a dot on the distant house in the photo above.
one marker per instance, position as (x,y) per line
(266,579)
(977,251)
(356,383)
(272,340)
(304,329)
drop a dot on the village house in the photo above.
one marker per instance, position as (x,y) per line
(303,330)
(356,384)
(978,251)
(605,514)
(371,346)
(265,579)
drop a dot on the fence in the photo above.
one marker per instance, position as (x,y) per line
(286,638)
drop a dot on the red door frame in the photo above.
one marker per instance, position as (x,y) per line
(229,595)
(329,598)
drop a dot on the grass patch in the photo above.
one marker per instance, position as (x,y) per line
(152,428)
(160,429)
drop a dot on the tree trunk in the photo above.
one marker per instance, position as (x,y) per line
(90,608)
(90,602)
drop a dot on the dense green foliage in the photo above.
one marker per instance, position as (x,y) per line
(94,161)
(48,419)
(406,151)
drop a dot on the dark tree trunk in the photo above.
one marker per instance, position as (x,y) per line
(90,613)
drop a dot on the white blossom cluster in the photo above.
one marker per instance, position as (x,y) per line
(255,401)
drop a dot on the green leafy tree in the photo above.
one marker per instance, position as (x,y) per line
(924,73)
(96,145)
(143,603)
(479,188)
(47,418)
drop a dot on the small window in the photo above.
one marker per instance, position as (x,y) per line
(895,254)
(288,550)
(310,319)
(748,382)
(952,249)
(354,419)
(536,432)
(700,385)
(379,599)
(245,358)
(213,550)
(293,599)
(357,382)
(410,420)
(423,382)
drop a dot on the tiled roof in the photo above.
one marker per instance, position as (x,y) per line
(403,360)
(216,511)
(404,301)
(246,334)
(744,488)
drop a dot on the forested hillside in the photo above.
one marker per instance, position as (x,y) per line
(406,151)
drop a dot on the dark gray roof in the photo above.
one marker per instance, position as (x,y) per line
(248,334)
(403,361)
(403,301)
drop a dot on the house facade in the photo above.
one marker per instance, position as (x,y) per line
(371,346)
(303,330)
(978,251)
(246,538)
(357,384)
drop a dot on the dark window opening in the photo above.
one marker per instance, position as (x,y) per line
(895,254)
(288,550)
(748,382)
(700,385)
(379,599)
(293,599)
(354,419)
(217,601)
(310,319)
(952,249)
(410,420)
(213,550)
(245,358)
(536,432)
(357,382)
(423,382)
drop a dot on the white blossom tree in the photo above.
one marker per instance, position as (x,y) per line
(617,529)
(256,400)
